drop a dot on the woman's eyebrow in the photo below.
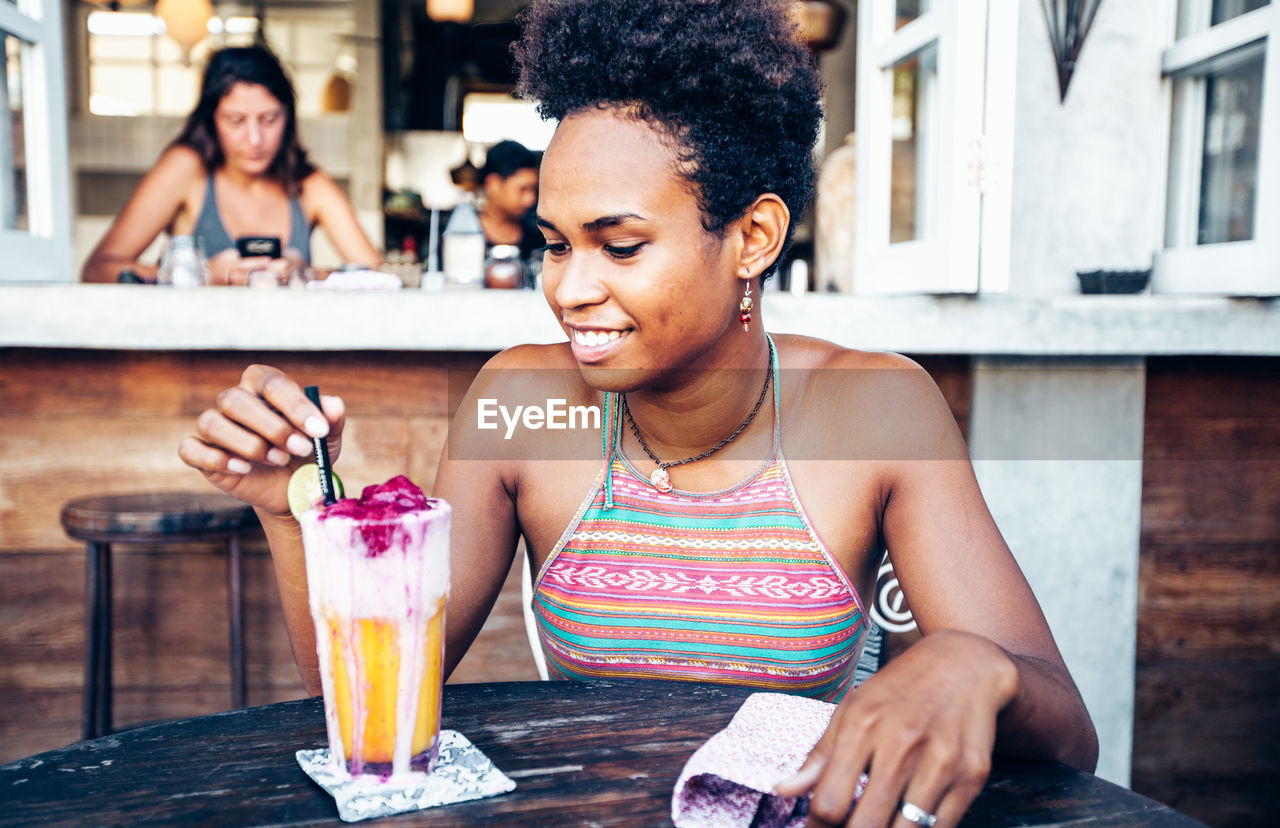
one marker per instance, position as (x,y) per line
(603,222)
(595,225)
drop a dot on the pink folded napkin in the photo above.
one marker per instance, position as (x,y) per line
(728,782)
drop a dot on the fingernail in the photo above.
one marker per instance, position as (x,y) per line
(239,466)
(277,457)
(316,426)
(299,445)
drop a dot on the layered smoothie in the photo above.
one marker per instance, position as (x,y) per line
(378,576)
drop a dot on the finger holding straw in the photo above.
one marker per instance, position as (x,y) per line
(258,432)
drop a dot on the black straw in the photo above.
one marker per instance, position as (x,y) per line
(322,453)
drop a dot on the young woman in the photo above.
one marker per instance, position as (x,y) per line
(237,169)
(723,521)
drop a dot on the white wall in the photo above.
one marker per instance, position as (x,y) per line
(1089,174)
(1057,447)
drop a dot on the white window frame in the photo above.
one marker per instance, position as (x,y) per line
(43,252)
(287,51)
(963,244)
(1243,268)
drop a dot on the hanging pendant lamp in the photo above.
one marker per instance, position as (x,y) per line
(456,11)
(186,21)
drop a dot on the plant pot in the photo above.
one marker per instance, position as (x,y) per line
(1113,281)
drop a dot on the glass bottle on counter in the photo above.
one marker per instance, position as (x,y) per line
(183,264)
(463,243)
(503,268)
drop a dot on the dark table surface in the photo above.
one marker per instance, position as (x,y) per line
(581,753)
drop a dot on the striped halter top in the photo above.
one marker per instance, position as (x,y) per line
(732,586)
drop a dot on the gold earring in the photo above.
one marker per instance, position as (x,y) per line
(744,309)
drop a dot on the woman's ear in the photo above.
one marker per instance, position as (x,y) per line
(764,230)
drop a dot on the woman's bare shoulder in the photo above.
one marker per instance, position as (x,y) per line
(535,371)
(869,404)
(557,356)
(808,352)
(180,161)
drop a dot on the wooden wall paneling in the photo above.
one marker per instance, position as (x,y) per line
(47,461)
(1208,657)
(1204,738)
(427,437)
(42,618)
(1211,387)
(501,651)
(1210,600)
(1235,499)
(51,383)
(34,721)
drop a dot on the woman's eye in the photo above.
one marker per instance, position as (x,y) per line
(623,251)
(557,248)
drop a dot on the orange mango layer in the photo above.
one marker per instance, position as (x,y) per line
(376,651)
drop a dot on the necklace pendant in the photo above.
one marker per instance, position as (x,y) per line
(660,479)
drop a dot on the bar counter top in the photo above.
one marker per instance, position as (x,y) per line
(130,317)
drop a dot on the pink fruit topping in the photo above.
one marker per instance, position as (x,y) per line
(377,509)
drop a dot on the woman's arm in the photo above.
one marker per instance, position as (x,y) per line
(149,211)
(986,674)
(481,486)
(958,574)
(325,201)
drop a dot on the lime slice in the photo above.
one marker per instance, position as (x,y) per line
(304,488)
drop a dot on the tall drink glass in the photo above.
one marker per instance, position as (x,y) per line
(378,576)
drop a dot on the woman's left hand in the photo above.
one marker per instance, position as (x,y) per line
(923,729)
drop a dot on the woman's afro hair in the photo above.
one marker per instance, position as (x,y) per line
(727,80)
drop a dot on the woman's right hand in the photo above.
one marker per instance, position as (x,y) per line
(258,433)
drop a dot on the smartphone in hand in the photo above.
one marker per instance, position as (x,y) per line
(249,246)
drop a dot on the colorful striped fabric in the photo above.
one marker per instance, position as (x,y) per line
(731,586)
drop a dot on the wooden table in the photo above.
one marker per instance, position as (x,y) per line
(598,753)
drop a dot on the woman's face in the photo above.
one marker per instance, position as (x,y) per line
(250,123)
(635,280)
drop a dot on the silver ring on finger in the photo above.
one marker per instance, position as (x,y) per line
(913,813)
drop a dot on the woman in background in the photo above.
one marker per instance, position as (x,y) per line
(236,170)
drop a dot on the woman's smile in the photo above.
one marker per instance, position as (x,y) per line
(592,345)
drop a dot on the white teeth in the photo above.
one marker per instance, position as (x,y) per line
(593,338)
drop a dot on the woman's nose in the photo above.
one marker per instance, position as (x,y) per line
(255,134)
(575,285)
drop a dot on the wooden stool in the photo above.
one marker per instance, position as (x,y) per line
(166,517)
